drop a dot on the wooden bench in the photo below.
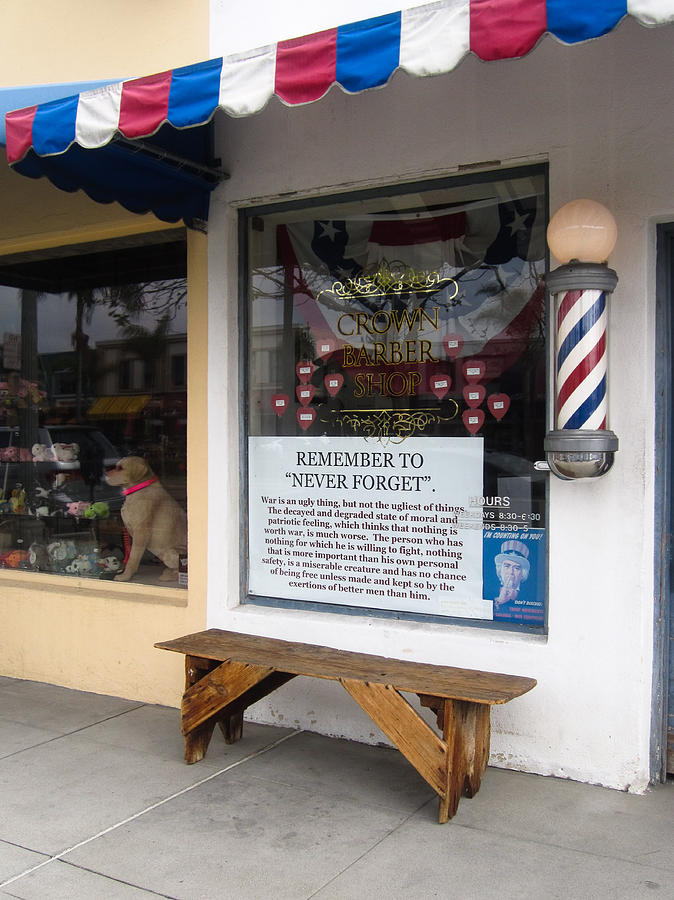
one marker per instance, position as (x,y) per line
(226,672)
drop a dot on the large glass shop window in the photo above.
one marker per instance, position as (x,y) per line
(93,404)
(396,383)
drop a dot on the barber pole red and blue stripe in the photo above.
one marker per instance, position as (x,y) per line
(424,40)
(581,360)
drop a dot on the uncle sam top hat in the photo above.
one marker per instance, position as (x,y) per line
(515,551)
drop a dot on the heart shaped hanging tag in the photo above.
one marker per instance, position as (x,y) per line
(498,404)
(305,370)
(473,394)
(325,347)
(333,383)
(452,344)
(473,370)
(305,393)
(440,384)
(305,418)
(473,419)
(279,403)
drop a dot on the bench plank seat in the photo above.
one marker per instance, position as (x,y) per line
(225,672)
(326,662)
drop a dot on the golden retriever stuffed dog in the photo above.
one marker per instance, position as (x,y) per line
(152,517)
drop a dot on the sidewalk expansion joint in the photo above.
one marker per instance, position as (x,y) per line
(59,856)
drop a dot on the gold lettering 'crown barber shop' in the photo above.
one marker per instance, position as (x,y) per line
(389,280)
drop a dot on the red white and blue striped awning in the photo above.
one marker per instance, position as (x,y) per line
(55,139)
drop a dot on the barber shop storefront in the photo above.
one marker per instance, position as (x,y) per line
(396,394)
(426,383)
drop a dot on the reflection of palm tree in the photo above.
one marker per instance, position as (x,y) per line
(161,299)
(85,303)
(28,412)
(124,303)
(149,345)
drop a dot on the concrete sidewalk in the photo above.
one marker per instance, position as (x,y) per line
(96,802)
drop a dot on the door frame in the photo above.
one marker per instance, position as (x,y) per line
(664,506)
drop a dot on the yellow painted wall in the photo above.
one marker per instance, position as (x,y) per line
(43,42)
(99,636)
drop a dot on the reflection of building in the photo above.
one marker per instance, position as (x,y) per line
(136,401)
(59,371)
(607,634)
(141,403)
(122,371)
(118,371)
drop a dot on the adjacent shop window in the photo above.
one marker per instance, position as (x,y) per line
(90,335)
(396,401)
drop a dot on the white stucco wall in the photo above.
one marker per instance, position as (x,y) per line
(263,22)
(601,115)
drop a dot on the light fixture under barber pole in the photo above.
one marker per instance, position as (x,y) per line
(581,235)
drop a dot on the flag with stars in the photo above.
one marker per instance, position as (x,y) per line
(486,232)
(494,248)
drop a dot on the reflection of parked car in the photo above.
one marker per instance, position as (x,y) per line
(67,479)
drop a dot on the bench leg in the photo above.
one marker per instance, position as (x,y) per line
(232,727)
(453,765)
(415,739)
(197,741)
(466,732)
(219,693)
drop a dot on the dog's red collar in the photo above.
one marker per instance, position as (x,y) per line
(139,487)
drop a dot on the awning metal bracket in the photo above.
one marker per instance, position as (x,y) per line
(210,172)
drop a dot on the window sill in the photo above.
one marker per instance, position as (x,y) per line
(92,587)
(321,624)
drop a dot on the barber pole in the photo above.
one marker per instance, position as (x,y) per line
(581,444)
(581,359)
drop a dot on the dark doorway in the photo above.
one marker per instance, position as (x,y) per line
(663,673)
